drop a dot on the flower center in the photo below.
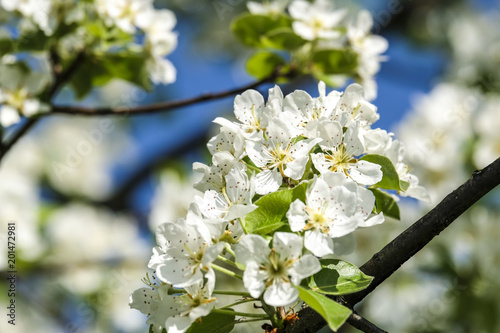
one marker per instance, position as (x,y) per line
(340,160)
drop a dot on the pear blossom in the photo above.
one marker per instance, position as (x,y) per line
(171,309)
(341,157)
(369,49)
(123,13)
(273,7)
(334,207)
(229,140)
(213,177)
(316,20)
(353,107)
(275,271)
(37,10)
(280,156)
(307,113)
(182,254)
(233,202)
(253,113)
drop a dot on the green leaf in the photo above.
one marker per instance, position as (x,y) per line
(213,322)
(95,71)
(272,208)
(385,203)
(390,180)
(250,29)
(335,62)
(32,41)
(283,39)
(332,312)
(338,277)
(263,64)
(91,72)
(130,67)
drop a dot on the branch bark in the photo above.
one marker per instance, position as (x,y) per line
(363,324)
(86,111)
(397,252)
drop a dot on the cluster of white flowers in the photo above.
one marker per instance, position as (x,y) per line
(19,88)
(329,27)
(274,146)
(133,16)
(121,27)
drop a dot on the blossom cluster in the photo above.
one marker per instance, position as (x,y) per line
(322,147)
(46,35)
(324,28)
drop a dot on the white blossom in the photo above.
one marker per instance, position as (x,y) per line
(317,20)
(280,156)
(275,271)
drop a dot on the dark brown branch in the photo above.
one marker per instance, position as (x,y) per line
(412,240)
(364,325)
(76,110)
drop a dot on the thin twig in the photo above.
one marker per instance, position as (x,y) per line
(166,106)
(363,324)
(412,240)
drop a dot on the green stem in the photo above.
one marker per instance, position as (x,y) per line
(249,320)
(227,261)
(226,271)
(230,250)
(271,312)
(230,292)
(238,303)
(252,167)
(243,226)
(241,314)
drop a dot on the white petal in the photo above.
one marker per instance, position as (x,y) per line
(366,173)
(288,245)
(318,243)
(253,279)
(268,181)
(252,248)
(280,294)
(306,266)
(297,215)
(377,219)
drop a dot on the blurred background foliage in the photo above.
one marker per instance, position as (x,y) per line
(85,234)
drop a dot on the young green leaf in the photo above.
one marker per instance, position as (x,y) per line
(283,39)
(335,62)
(338,277)
(390,180)
(213,322)
(250,29)
(263,64)
(334,313)
(385,203)
(268,217)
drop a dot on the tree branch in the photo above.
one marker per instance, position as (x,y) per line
(363,324)
(412,240)
(87,111)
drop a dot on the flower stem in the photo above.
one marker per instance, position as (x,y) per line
(226,271)
(249,320)
(227,261)
(238,303)
(230,292)
(241,314)
(230,250)
(243,226)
